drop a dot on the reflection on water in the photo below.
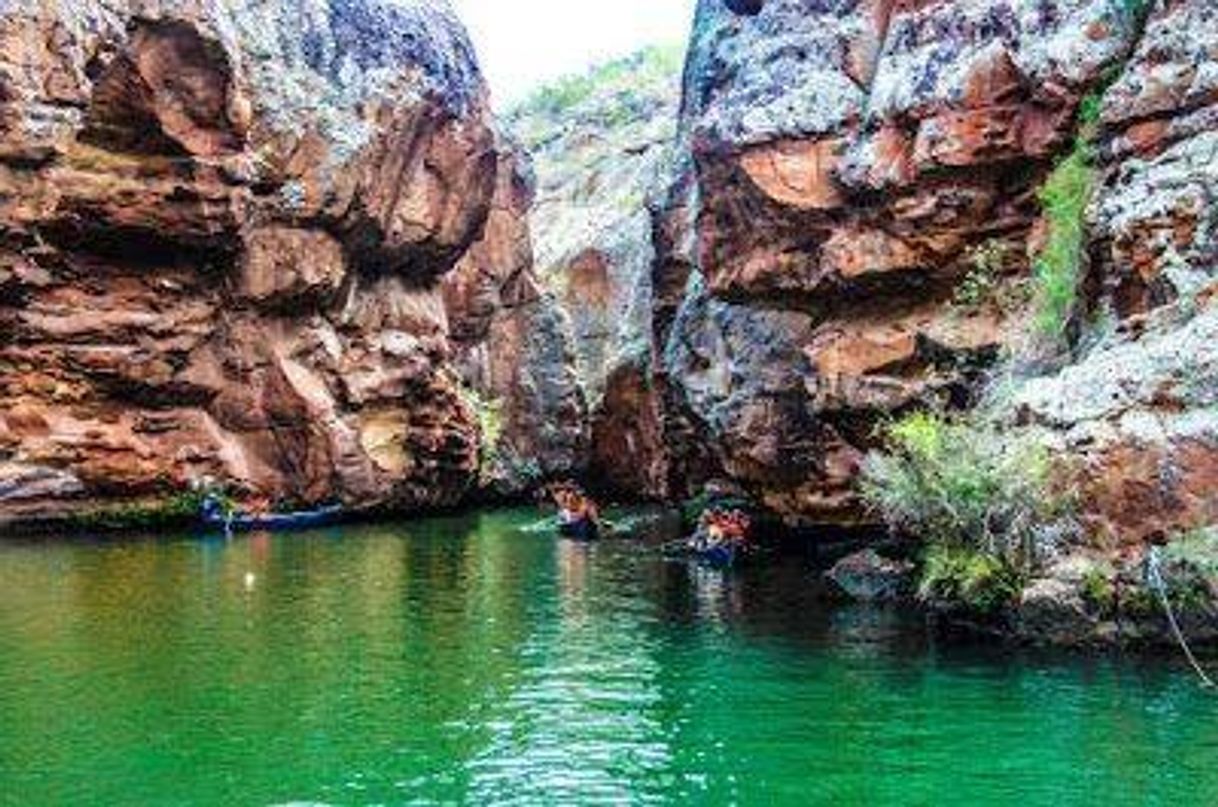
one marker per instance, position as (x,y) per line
(473,660)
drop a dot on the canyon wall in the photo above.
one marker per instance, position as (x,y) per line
(514,350)
(1137,408)
(285,247)
(224,229)
(851,166)
(602,143)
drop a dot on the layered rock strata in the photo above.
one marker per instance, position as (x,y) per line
(223,227)
(855,163)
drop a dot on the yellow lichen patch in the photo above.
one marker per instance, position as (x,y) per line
(84,157)
(383,437)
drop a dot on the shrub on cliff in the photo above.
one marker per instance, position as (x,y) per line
(1058,268)
(607,79)
(1190,568)
(988,284)
(986,504)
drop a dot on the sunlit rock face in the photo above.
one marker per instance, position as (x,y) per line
(513,348)
(601,146)
(851,160)
(1138,410)
(1154,222)
(223,230)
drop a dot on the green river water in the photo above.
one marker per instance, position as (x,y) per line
(470,660)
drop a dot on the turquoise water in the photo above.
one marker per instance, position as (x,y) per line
(469,661)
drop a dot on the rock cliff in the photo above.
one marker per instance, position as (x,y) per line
(222,229)
(1138,405)
(284,246)
(602,144)
(514,350)
(857,169)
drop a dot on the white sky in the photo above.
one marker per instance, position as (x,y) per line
(523,43)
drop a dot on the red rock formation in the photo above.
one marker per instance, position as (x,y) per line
(1136,411)
(847,170)
(219,254)
(513,349)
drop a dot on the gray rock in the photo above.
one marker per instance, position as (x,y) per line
(20,482)
(867,576)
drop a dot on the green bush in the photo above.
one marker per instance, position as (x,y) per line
(982,501)
(170,510)
(1098,591)
(985,285)
(653,63)
(962,577)
(1190,568)
(1197,549)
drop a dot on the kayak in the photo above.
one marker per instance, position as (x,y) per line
(579,530)
(272,522)
(722,555)
(718,555)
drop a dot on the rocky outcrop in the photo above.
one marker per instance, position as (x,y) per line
(862,169)
(1137,418)
(513,348)
(1153,224)
(602,145)
(868,576)
(855,163)
(223,226)
(1135,409)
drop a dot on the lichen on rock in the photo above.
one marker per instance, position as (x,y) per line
(223,225)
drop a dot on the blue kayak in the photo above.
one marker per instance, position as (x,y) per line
(583,529)
(721,555)
(214,516)
(717,555)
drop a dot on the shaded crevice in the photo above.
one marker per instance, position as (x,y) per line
(745,8)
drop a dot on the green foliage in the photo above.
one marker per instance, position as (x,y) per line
(1189,565)
(962,577)
(1064,198)
(1058,267)
(489,413)
(1089,111)
(1198,549)
(971,494)
(619,76)
(1190,568)
(174,509)
(985,286)
(1098,590)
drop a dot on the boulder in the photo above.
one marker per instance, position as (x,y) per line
(867,576)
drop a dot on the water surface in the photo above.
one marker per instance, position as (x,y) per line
(470,660)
